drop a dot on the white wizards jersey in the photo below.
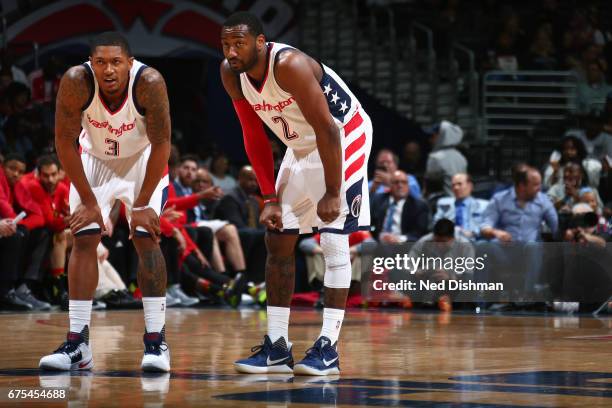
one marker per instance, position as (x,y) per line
(114,135)
(279,111)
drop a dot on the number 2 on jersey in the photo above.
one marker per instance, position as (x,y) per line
(112,148)
(289,135)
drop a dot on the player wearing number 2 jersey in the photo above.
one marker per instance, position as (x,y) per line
(120,108)
(321,184)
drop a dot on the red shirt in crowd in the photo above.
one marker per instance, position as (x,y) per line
(12,201)
(55,206)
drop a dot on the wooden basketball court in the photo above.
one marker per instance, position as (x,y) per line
(402,359)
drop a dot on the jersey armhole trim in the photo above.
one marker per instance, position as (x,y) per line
(90,85)
(139,108)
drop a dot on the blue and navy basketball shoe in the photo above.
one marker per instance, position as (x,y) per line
(321,359)
(268,358)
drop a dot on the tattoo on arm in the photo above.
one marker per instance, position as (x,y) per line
(152,95)
(74,91)
(152,273)
(280,278)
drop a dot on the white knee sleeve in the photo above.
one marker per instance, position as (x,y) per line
(337,260)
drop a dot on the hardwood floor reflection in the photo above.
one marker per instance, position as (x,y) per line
(387,359)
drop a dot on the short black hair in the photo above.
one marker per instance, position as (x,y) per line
(14,157)
(190,157)
(47,160)
(444,228)
(109,38)
(519,173)
(245,18)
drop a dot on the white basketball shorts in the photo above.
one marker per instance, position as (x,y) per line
(301,184)
(118,179)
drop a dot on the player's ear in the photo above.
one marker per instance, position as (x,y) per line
(130,61)
(261,42)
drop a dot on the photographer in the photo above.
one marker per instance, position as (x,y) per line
(582,227)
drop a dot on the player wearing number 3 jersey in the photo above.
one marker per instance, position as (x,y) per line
(120,108)
(321,185)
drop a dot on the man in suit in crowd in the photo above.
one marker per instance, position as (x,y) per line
(396,215)
(461,208)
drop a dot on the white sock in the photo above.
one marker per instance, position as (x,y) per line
(154,313)
(278,323)
(332,323)
(79,313)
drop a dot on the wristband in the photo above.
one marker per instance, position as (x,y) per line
(144,207)
(270,200)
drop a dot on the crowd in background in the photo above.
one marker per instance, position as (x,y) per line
(211,237)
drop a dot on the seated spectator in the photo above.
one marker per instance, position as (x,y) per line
(516,214)
(466,210)
(183,199)
(508,42)
(225,233)
(397,216)
(571,149)
(219,168)
(386,164)
(442,243)
(565,195)
(37,237)
(52,197)
(542,53)
(12,245)
(596,142)
(238,206)
(444,157)
(591,93)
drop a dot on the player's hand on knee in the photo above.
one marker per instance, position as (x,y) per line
(146,218)
(272,217)
(83,216)
(328,208)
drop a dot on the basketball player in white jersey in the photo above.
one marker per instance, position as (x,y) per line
(321,184)
(122,108)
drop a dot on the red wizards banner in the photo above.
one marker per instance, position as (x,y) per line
(154,28)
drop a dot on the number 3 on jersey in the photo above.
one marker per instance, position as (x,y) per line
(289,135)
(112,147)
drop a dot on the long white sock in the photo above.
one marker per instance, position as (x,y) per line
(278,323)
(332,323)
(79,313)
(154,313)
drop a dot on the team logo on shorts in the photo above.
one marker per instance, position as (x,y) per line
(356,206)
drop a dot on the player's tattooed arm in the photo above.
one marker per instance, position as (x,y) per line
(296,73)
(152,96)
(74,92)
